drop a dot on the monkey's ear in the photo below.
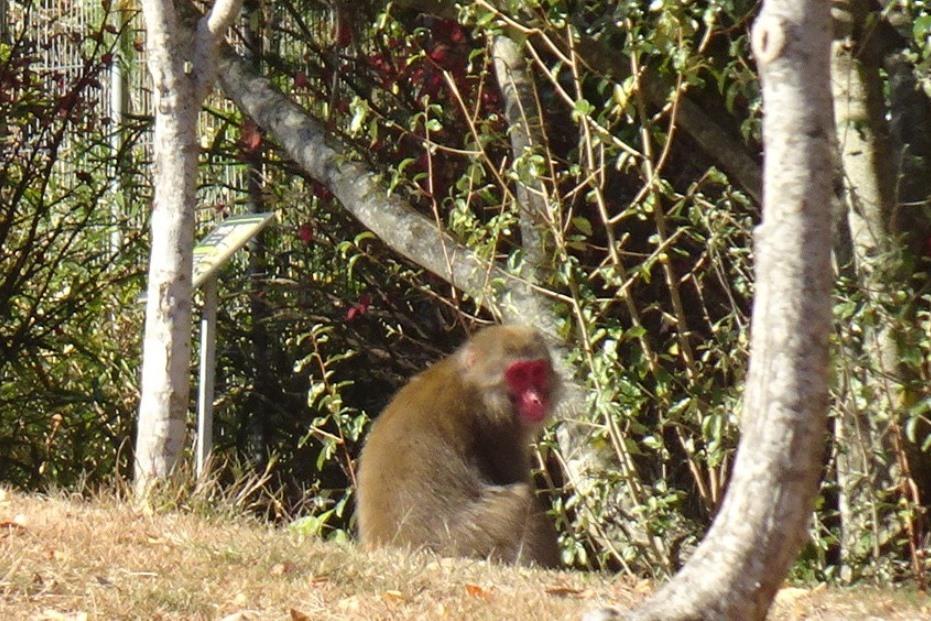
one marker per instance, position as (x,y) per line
(468,357)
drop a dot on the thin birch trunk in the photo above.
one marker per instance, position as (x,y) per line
(182,69)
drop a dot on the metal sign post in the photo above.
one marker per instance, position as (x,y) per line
(209,256)
(208,363)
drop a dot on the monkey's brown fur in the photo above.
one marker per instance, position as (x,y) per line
(446,465)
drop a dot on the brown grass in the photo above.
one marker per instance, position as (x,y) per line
(67,558)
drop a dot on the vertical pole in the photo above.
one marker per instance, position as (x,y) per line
(208,344)
(118,108)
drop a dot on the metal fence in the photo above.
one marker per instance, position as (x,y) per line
(64,33)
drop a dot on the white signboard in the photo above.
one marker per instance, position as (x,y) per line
(221,243)
(210,255)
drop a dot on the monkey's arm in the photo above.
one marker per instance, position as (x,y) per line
(506,523)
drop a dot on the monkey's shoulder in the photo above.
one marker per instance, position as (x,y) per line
(436,402)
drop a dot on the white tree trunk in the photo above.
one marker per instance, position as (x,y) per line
(182,69)
(743,559)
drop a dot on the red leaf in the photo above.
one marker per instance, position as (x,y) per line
(448,30)
(306,233)
(343,35)
(300,80)
(321,191)
(477,591)
(359,308)
(440,54)
(456,34)
(365,300)
(250,136)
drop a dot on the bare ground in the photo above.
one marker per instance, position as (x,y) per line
(68,558)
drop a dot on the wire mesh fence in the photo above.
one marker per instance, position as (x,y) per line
(69,35)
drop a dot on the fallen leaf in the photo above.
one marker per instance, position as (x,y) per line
(104,581)
(393,596)
(567,591)
(316,581)
(7,527)
(279,569)
(476,591)
(297,615)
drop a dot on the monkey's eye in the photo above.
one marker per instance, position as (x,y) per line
(525,374)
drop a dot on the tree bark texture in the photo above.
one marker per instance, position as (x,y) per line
(525,123)
(182,68)
(755,537)
(167,344)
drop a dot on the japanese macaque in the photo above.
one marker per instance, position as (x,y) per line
(446,465)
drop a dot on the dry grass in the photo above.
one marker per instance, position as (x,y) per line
(67,558)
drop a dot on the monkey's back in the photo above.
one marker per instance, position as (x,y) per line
(413,467)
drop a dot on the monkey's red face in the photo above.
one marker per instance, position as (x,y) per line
(529,387)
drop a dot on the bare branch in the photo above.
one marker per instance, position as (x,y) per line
(221,17)
(209,33)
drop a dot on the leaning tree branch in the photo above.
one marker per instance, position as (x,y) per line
(363,193)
